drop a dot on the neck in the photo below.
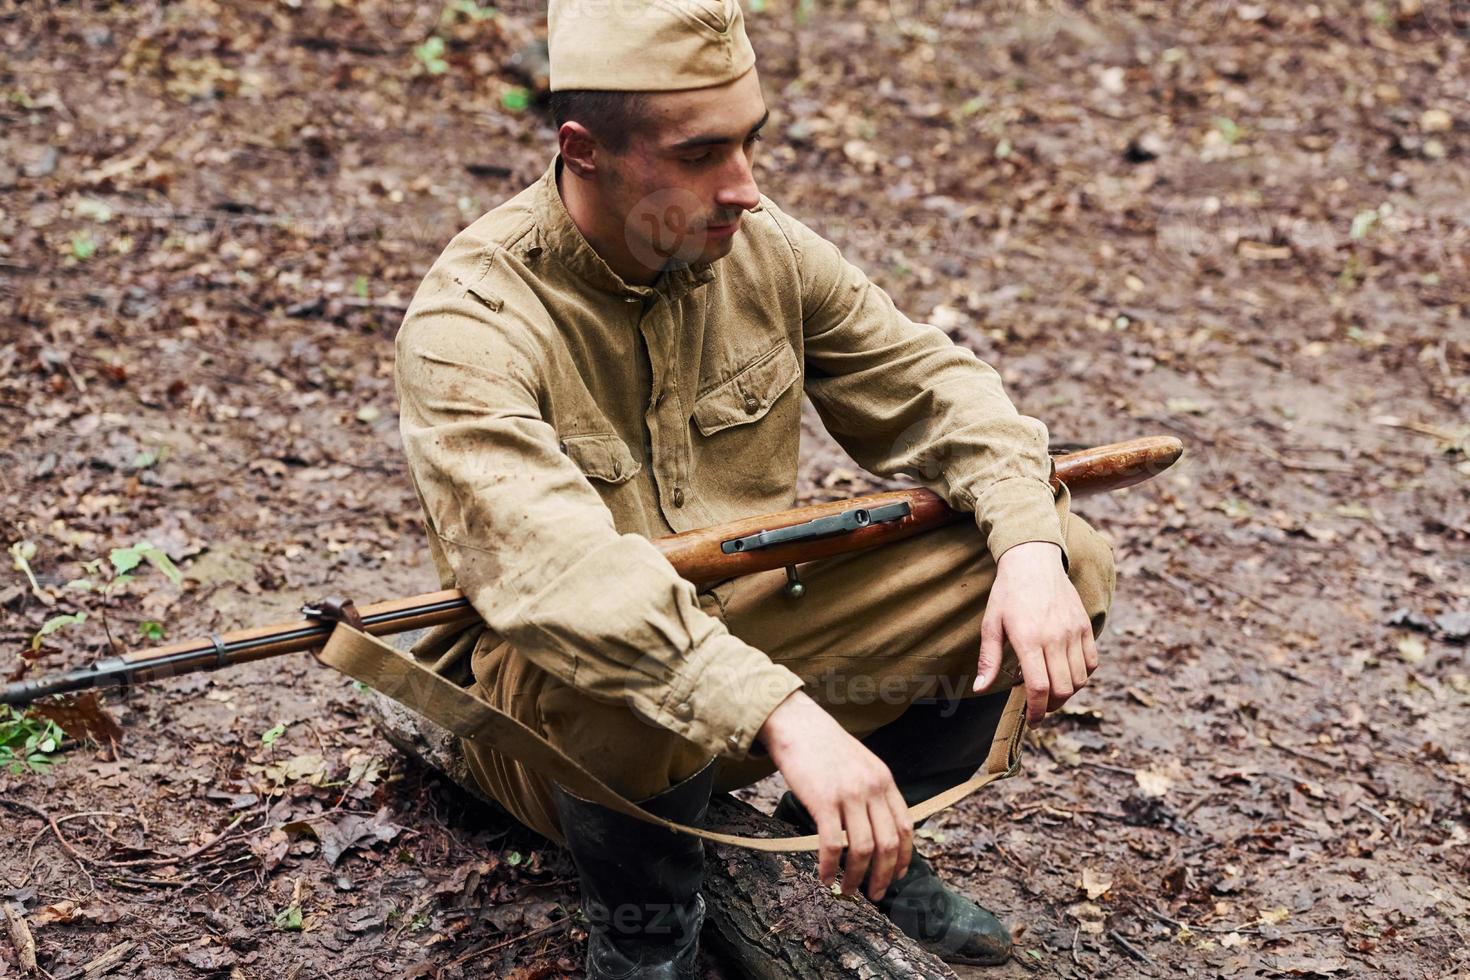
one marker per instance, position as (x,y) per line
(603,230)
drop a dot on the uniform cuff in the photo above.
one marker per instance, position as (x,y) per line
(724,695)
(1017,510)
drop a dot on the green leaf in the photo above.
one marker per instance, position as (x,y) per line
(289,919)
(513,858)
(1227,128)
(268,738)
(124,560)
(82,246)
(431,55)
(55,623)
(360,287)
(515,99)
(160,561)
(151,630)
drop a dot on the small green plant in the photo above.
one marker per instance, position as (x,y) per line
(289,919)
(515,99)
(151,630)
(83,246)
(26,743)
(430,55)
(53,624)
(469,10)
(269,736)
(360,287)
(124,560)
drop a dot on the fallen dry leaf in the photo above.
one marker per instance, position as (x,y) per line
(1152,782)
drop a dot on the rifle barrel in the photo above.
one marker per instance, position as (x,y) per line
(696,555)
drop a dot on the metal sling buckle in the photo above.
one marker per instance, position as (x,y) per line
(848,520)
(334,609)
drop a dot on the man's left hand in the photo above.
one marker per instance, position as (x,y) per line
(1035,607)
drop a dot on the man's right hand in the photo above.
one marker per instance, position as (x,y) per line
(843,786)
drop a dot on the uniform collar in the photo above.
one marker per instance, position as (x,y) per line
(562,239)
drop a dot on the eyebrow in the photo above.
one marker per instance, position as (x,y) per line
(697,141)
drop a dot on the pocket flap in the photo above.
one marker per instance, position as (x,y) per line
(602,457)
(749,395)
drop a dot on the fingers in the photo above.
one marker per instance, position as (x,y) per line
(991,636)
(904,822)
(1037,679)
(829,838)
(1059,669)
(1078,663)
(885,847)
(859,844)
(1089,651)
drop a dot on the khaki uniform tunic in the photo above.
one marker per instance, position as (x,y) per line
(555,418)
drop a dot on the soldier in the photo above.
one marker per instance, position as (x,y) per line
(619,352)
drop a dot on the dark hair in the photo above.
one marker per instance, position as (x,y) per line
(610,116)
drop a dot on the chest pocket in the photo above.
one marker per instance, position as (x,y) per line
(749,395)
(602,456)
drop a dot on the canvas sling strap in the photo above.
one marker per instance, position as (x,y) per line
(375,663)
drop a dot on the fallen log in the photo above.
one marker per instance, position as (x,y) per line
(769,916)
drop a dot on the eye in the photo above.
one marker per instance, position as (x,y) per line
(696,160)
(754,138)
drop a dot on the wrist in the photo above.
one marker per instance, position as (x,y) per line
(1028,551)
(773,731)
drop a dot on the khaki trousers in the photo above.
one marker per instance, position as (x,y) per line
(875,631)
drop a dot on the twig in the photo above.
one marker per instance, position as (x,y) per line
(1372,812)
(1131,950)
(71,852)
(1293,750)
(156,862)
(21,939)
(476,954)
(1291,464)
(1443,435)
(1239,930)
(107,960)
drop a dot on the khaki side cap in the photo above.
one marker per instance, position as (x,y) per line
(646,45)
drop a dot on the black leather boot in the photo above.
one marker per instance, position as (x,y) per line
(640,883)
(929,748)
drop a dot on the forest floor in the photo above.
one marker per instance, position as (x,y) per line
(1244,224)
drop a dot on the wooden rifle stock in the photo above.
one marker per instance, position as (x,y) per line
(702,556)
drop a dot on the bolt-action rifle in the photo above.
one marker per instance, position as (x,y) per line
(703,556)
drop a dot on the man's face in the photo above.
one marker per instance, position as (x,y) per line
(684,179)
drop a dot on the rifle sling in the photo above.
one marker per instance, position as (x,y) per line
(375,663)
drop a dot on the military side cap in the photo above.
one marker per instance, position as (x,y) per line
(646,45)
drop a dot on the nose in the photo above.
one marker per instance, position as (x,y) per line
(737,187)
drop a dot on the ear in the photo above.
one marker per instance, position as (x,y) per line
(578,149)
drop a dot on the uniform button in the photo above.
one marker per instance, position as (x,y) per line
(678,496)
(734,741)
(617,468)
(683,710)
(751,404)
